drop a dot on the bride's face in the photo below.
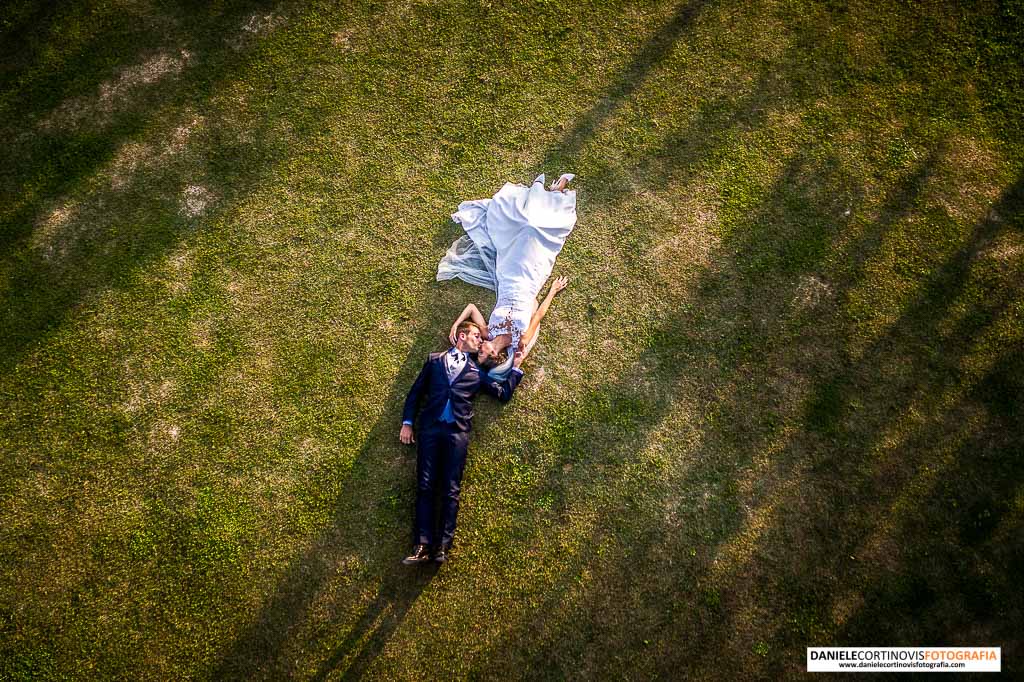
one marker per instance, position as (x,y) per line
(486,351)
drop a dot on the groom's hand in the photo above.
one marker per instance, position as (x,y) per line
(405,435)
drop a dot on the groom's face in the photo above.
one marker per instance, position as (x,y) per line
(471,340)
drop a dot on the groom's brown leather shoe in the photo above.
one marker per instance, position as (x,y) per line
(420,555)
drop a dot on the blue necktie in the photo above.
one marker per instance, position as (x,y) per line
(446,414)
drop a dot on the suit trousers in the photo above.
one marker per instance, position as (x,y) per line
(440,461)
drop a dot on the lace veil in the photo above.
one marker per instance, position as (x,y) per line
(470,262)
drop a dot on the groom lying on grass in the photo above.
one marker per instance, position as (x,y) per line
(448,381)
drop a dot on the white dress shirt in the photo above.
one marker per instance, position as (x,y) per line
(454,361)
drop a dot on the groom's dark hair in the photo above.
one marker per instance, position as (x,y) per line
(465,327)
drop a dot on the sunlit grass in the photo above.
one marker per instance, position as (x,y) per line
(778,406)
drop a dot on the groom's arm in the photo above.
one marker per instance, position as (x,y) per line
(503,390)
(412,400)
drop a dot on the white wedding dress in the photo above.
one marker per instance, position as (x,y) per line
(510,246)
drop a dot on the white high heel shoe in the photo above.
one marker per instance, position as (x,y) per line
(563,180)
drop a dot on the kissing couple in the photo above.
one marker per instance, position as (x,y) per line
(510,246)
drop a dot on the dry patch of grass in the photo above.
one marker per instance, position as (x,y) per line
(256,25)
(195,200)
(967,180)
(690,238)
(812,292)
(88,217)
(53,238)
(96,110)
(750,394)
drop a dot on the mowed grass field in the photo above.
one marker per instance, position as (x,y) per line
(780,404)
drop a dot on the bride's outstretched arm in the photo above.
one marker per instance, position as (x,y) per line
(529,337)
(521,355)
(472,313)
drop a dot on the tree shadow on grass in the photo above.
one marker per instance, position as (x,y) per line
(626,414)
(962,499)
(46,69)
(309,615)
(262,650)
(698,579)
(654,51)
(89,247)
(875,514)
(363,525)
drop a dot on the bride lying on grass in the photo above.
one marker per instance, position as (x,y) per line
(510,246)
(498,340)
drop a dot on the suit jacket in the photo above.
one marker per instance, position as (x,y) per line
(432,385)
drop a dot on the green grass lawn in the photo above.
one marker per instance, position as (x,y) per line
(780,404)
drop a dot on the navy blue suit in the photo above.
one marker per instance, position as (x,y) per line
(442,446)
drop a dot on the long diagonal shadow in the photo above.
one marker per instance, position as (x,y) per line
(52,165)
(259,652)
(653,53)
(380,470)
(398,592)
(705,627)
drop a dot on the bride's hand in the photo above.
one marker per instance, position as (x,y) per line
(559,284)
(451,334)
